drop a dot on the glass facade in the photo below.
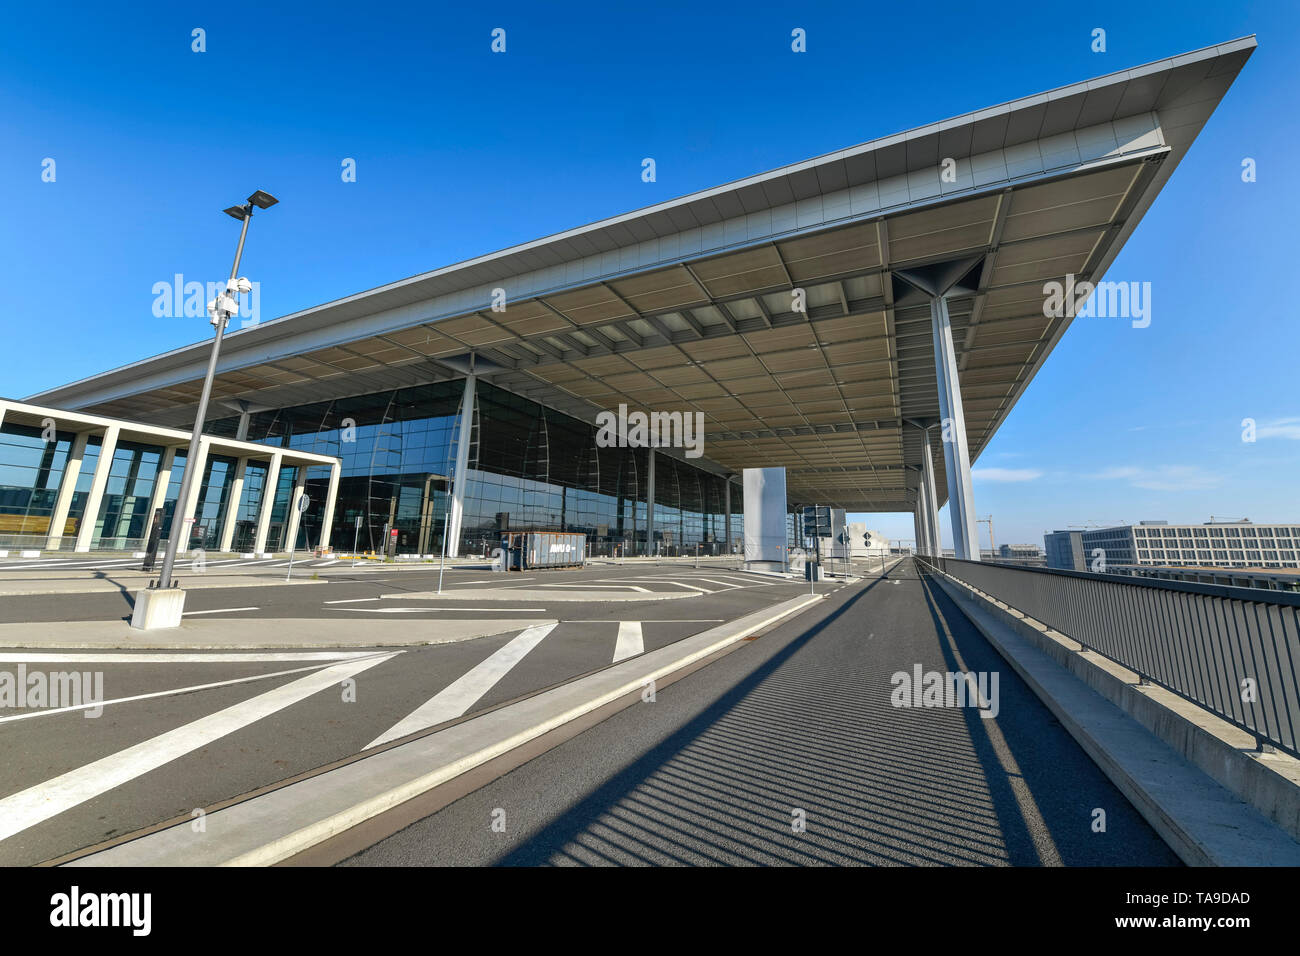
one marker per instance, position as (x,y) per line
(124,509)
(30,471)
(530,468)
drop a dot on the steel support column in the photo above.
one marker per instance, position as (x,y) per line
(460,476)
(934,541)
(650,504)
(922,515)
(726,506)
(952,421)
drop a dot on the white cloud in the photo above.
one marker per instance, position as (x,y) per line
(1006,474)
(1280,428)
(1162,478)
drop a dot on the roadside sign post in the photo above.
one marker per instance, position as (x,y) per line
(155,535)
(303,502)
(816,521)
(356,536)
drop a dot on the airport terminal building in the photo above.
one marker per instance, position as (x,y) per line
(864,320)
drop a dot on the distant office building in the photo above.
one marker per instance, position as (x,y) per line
(1237,577)
(1030,555)
(1065,550)
(1215,544)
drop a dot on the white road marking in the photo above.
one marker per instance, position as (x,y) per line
(600,587)
(183,657)
(421,610)
(168,693)
(461,694)
(351,600)
(630,642)
(65,565)
(500,580)
(220,610)
(672,620)
(37,804)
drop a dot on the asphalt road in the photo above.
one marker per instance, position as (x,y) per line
(799,724)
(322,597)
(218,726)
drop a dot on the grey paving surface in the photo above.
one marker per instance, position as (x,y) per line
(303,734)
(713,771)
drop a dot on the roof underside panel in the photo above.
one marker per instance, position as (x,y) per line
(770,306)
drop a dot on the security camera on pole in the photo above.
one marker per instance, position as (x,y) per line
(162,603)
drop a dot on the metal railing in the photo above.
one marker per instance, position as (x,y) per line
(1234,651)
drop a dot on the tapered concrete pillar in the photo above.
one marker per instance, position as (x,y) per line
(90,517)
(241,431)
(650,504)
(268,503)
(194,480)
(294,518)
(460,475)
(917,531)
(232,506)
(67,488)
(331,499)
(952,422)
(158,497)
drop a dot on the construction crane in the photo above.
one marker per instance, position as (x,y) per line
(988,520)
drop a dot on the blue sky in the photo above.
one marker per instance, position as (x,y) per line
(460,152)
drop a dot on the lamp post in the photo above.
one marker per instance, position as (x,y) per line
(161,605)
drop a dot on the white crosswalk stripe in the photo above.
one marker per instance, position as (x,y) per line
(35,804)
(630,641)
(461,694)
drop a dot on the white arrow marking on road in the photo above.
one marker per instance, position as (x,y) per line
(630,642)
(37,804)
(461,694)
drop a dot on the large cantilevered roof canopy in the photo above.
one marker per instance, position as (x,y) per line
(689,305)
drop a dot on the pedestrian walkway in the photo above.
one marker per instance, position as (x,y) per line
(797,752)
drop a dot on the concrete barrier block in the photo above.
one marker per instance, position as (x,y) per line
(157,608)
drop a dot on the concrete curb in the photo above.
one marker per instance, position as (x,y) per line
(275,826)
(1202,821)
